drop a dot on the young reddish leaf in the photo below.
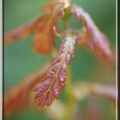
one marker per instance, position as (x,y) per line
(43,27)
(54,79)
(44,36)
(49,7)
(22,31)
(44,33)
(91,36)
(18,97)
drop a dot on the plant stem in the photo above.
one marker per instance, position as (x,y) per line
(66,18)
(70,101)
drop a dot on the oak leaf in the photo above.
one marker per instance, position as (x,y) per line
(44,35)
(19,96)
(54,79)
(90,36)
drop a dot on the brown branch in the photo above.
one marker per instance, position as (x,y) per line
(18,97)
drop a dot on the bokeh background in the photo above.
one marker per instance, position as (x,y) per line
(20,59)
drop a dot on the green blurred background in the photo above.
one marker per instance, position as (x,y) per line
(20,60)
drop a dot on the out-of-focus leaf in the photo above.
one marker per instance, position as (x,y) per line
(91,36)
(44,36)
(18,97)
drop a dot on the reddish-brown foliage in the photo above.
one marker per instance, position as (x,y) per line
(90,36)
(21,32)
(49,86)
(44,36)
(54,79)
(18,97)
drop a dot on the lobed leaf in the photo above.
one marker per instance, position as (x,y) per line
(18,97)
(44,35)
(43,27)
(91,36)
(22,31)
(54,79)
